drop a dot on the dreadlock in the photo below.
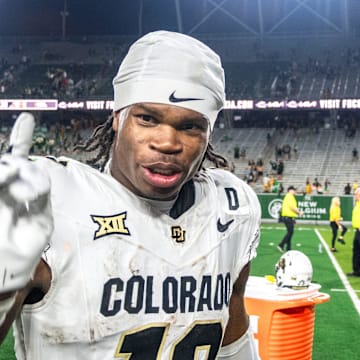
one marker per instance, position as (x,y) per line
(218,160)
(101,142)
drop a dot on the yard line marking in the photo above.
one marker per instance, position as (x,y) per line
(284,228)
(340,272)
(342,290)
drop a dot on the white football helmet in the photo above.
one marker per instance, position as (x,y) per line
(293,270)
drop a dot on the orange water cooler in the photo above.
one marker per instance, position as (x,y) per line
(282,319)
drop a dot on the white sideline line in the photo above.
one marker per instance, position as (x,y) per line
(342,290)
(343,278)
(301,228)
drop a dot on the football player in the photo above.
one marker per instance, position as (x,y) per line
(149,258)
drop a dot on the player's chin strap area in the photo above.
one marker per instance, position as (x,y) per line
(5,306)
(243,348)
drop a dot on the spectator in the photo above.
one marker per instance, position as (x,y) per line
(319,190)
(278,152)
(266,184)
(295,150)
(326,185)
(268,138)
(308,188)
(315,184)
(236,152)
(274,166)
(354,154)
(347,189)
(286,150)
(259,168)
(243,152)
(280,168)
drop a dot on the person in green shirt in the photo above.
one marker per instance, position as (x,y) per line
(356,243)
(289,212)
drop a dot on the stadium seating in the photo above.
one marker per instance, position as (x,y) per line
(253,70)
(323,155)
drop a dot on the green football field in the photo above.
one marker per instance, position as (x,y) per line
(337,322)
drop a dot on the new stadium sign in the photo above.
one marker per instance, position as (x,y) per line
(315,208)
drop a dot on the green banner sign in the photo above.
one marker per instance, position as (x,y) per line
(315,208)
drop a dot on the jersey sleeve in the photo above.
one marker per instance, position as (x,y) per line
(239,203)
(252,225)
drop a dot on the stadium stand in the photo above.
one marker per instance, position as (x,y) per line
(253,70)
(323,155)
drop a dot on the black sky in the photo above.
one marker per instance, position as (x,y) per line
(42,17)
(121,17)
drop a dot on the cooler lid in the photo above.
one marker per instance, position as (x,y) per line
(259,287)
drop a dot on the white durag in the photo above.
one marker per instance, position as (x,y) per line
(171,68)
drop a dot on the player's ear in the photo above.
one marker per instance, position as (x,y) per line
(115,124)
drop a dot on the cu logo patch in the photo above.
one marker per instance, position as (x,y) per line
(178,234)
(274,208)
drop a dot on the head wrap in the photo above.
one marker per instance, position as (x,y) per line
(171,68)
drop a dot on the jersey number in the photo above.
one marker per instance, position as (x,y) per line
(148,342)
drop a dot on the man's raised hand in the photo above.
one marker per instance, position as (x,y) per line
(25,215)
(21,135)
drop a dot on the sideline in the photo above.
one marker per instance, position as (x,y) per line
(282,227)
(343,278)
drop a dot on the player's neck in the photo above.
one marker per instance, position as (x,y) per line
(163,206)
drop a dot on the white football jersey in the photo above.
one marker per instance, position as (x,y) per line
(130,282)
